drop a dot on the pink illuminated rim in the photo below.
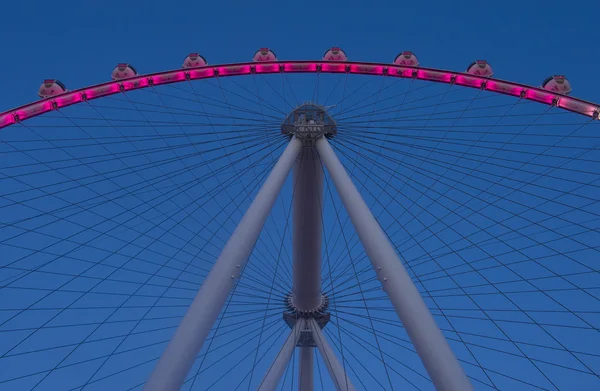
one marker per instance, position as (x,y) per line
(69,98)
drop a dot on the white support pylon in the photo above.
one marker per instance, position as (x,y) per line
(276,370)
(179,356)
(335,368)
(306,381)
(433,349)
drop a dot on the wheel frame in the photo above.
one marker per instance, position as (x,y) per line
(523,91)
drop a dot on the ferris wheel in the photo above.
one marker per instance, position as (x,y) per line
(312,225)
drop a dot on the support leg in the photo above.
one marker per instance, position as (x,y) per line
(335,368)
(306,243)
(273,376)
(433,349)
(307,378)
(179,356)
(307,230)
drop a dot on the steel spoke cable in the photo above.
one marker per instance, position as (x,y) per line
(507,234)
(354,108)
(360,363)
(453,153)
(388,337)
(335,86)
(266,230)
(101,357)
(366,308)
(545,245)
(226,192)
(273,250)
(284,80)
(450,142)
(227,105)
(272,283)
(328,359)
(146,166)
(510,300)
(507,244)
(281,97)
(63,285)
(397,112)
(277,334)
(93,226)
(417,117)
(89,290)
(103,339)
(263,104)
(285,270)
(342,226)
(346,97)
(196,179)
(390,109)
(112,171)
(362,342)
(486,347)
(441,115)
(423,172)
(181,111)
(440,101)
(384,187)
(208,349)
(328,261)
(114,156)
(520,322)
(85,260)
(433,105)
(256,362)
(149,309)
(129,368)
(554,144)
(86,165)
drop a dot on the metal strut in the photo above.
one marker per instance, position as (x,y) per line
(179,356)
(433,349)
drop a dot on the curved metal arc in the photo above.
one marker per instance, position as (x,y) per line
(462,79)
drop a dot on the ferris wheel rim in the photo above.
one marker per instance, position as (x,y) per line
(462,79)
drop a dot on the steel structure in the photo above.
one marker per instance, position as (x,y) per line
(309,128)
(535,94)
(309,131)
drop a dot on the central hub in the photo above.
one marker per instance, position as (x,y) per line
(309,122)
(293,313)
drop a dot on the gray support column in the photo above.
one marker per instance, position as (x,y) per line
(307,236)
(307,378)
(433,349)
(335,368)
(273,376)
(176,361)
(307,230)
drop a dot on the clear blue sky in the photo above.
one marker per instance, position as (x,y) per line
(80,42)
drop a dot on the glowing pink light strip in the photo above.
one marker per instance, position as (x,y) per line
(69,98)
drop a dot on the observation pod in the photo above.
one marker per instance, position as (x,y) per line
(123,71)
(51,87)
(264,55)
(194,60)
(407,59)
(557,83)
(480,68)
(335,54)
